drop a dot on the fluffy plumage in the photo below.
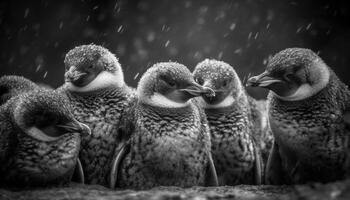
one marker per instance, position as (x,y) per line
(11,86)
(307,117)
(236,155)
(39,137)
(96,89)
(165,143)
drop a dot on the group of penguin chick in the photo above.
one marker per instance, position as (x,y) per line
(176,128)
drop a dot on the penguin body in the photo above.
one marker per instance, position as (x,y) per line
(96,89)
(235,152)
(39,137)
(308,106)
(168,141)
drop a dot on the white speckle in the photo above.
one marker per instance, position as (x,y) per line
(45,74)
(26,12)
(38,68)
(167,43)
(220,55)
(238,51)
(299,29)
(265,61)
(250,35)
(94,8)
(88,18)
(135,77)
(120,28)
(232,26)
(256,35)
(335,194)
(268,26)
(61,25)
(308,26)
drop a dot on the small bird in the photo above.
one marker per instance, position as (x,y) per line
(94,84)
(308,106)
(39,136)
(166,135)
(235,153)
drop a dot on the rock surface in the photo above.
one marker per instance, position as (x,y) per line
(338,190)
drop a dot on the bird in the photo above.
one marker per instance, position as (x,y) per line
(235,152)
(94,84)
(166,135)
(39,136)
(308,107)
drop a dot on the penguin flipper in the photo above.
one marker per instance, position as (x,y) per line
(274,171)
(258,167)
(211,176)
(116,166)
(78,175)
(125,130)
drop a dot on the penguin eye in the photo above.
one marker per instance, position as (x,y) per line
(225,83)
(90,66)
(168,80)
(199,81)
(171,83)
(289,77)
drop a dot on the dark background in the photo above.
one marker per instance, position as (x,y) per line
(35,35)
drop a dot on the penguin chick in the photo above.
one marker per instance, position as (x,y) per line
(94,84)
(307,105)
(235,153)
(167,140)
(39,138)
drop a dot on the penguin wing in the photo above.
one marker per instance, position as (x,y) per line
(211,176)
(274,172)
(125,131)
(258,164)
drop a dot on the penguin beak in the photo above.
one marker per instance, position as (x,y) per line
(263,80)
(194,90)
(73,74)
(76,126)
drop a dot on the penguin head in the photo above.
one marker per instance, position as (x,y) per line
(293,74)
(169,84)
(222,78)
(45,115)
(11,86)
(92,67)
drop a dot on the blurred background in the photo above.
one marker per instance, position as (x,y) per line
(36,35)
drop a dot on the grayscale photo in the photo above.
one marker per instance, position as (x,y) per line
(165,99)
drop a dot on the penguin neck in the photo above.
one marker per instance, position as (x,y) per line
(229,101)
(178,110)
(159,100)
(102,81)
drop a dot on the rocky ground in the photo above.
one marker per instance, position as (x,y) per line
(338,190)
